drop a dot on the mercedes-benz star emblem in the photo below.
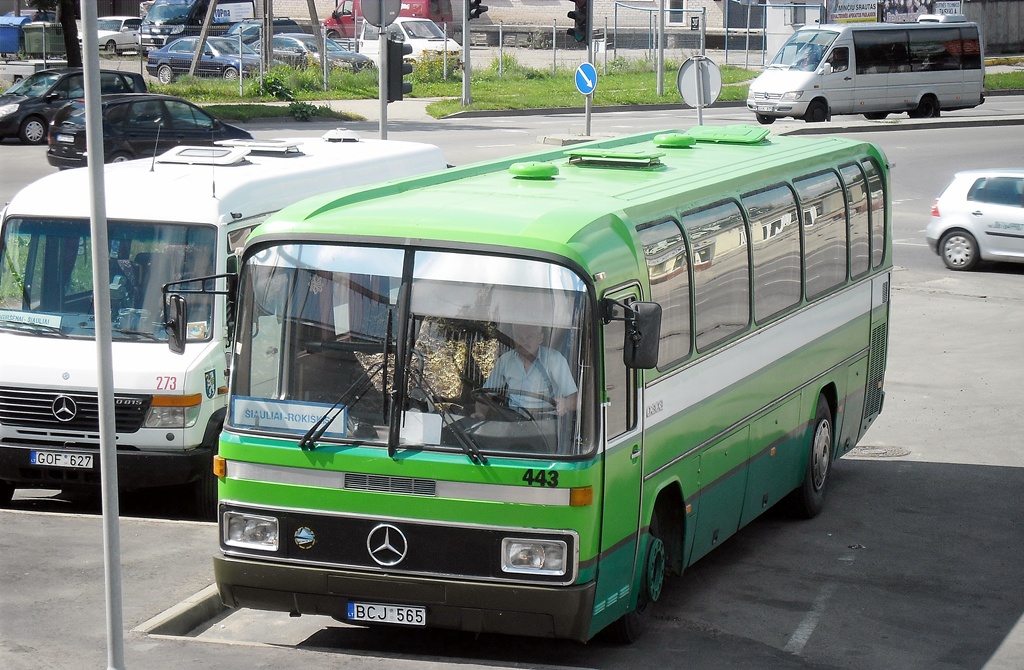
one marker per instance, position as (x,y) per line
(387,544)
(64,408)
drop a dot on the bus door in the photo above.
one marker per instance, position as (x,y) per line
(623,474)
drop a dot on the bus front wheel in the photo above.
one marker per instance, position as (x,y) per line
(808,500)
(630,627)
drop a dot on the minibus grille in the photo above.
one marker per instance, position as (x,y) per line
(761,95)
(68,411)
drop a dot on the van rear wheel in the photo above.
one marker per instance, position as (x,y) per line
(876,116)
(928,108)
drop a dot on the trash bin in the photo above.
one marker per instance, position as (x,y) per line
(10,33)
(43,39)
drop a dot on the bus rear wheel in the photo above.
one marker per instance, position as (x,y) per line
(808,500)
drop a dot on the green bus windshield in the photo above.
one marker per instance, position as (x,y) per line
(453,351)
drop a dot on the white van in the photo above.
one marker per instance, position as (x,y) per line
(423,35)
(872,69)
(177,216)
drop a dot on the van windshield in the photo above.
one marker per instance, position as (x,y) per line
(804,50)
(175,14)
(46,284)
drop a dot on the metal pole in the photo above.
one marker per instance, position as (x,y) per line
(746,47)
(323,56)
(589,105)
(104,356)
(382,75)
(444,53)
(240,61)
(501,49)
(661,48)
(467,96)
(554,48)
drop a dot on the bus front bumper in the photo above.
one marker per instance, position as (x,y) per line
(476,607)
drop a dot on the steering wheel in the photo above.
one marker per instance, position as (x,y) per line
(498,401)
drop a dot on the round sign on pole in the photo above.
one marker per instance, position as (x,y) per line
(381,13)
(586,78)
(699,81)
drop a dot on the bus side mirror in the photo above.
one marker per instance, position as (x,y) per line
(177,323)
(643,335)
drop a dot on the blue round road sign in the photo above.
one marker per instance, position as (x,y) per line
(586,78)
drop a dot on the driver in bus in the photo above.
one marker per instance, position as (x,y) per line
(531,376)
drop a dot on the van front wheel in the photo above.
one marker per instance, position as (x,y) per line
(816,112)
(765,120)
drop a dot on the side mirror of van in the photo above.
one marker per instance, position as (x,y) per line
(825,69)
(177,323)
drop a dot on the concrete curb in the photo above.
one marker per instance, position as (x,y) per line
(186,616)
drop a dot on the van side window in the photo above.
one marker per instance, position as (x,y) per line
(824,227)
(839,59)
(775,239)
(668,271)
(721,273)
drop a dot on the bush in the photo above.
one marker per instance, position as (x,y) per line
(431,67)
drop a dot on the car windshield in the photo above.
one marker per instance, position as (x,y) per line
(423,30)
(224,46)
(488,354)
(173,14)
(34,85)
(804,50)
(46,282)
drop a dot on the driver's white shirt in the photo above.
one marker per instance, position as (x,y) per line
(549,377)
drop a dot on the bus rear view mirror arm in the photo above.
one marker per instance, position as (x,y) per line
(643,331)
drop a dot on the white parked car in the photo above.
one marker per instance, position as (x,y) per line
(979,217)
(423,35)
(115,34)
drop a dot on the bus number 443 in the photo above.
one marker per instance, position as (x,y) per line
(541,477)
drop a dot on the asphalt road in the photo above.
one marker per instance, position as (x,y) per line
(915,563)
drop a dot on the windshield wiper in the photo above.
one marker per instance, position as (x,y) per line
(32,327)
(355,391)
(464,439)
(144,334)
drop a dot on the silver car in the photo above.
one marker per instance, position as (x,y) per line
(979,217)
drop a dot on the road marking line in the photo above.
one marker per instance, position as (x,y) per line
(803,632)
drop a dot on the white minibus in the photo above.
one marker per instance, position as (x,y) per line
(179,215)
(873,69)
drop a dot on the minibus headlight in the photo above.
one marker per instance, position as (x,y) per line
(250,531)
(790,96)
(173,411)
(539,557)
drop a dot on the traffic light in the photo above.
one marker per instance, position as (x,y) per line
(397,69)
(476,9)
(581,31)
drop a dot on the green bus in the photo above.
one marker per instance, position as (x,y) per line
(515,396)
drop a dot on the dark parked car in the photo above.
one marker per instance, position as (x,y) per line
(27,107)
(301,50)
(135,125)
(221,58)
(251,29)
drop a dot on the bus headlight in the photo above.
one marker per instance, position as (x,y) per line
(250,531)
(539,557)
(173,411)
(790,96)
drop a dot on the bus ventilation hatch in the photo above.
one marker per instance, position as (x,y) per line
(876,369)
(737,134)
(618,159)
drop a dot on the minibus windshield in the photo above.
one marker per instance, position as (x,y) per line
(804,50)
(46,281)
